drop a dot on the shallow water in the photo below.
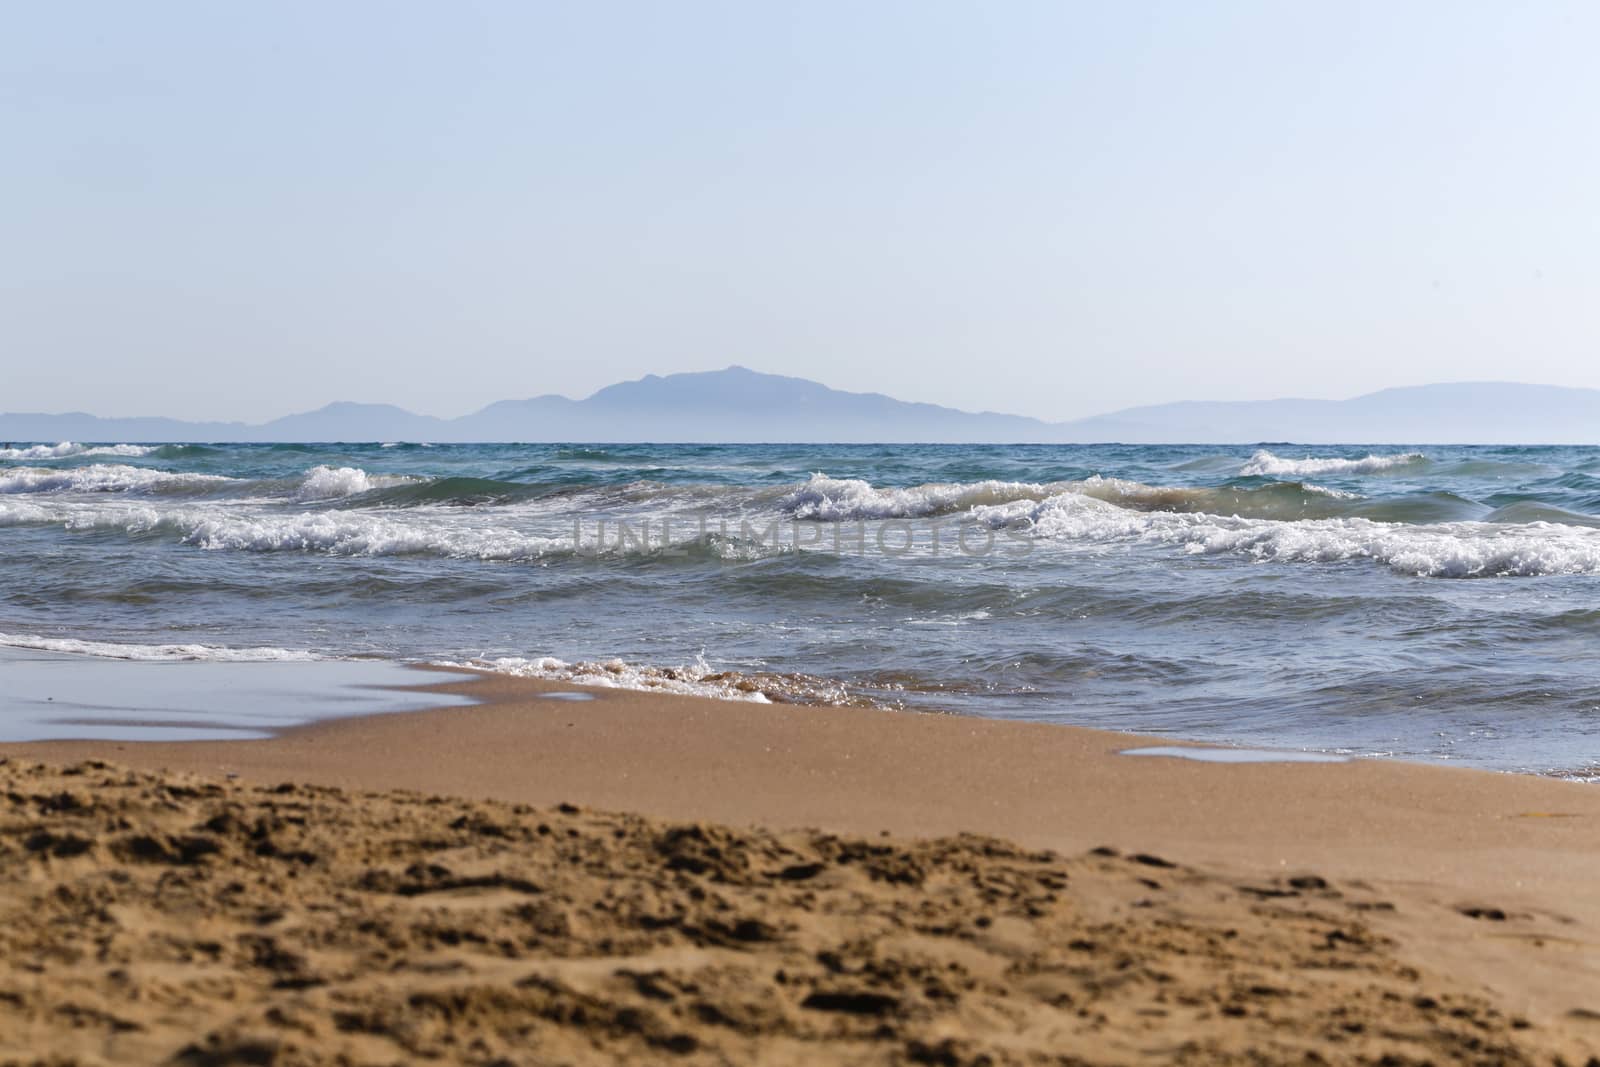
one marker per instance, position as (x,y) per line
(1233,755)
(1420,601)
(53,696)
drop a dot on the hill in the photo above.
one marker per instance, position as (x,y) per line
(738,404)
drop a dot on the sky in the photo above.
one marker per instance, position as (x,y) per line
(1055,209)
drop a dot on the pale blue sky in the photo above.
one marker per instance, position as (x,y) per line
(230,210)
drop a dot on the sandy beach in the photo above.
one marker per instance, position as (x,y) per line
(661,878)
(954,534)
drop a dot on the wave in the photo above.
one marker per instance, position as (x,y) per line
(1281,500)
(319,483)
(67,448)
(1444,550)
(850,500)
(330,483)
(103,478)
(1531,511)
(1421,508)
(340,532)
(1265,464)
(1491,468)
(1578,481)
(183,451)
(461,492)
(1207,464)
(1283,523)
(847,499)
(108,650)
(696,679)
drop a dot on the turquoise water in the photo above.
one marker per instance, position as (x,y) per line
(1420,601)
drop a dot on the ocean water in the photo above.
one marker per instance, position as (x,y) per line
(1423,602)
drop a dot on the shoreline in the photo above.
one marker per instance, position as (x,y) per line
(652,742)
(783,689)
(1491,875)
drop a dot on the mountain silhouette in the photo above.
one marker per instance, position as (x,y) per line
(737,404)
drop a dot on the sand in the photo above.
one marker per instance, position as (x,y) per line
(789,885)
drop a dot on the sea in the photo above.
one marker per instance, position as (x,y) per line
(1437,603)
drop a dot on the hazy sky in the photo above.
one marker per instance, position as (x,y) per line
(232,210)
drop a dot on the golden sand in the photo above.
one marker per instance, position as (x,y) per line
(791,885)
(165,918)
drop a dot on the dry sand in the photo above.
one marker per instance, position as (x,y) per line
(1371,912)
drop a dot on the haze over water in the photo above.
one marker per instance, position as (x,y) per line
(1425,602)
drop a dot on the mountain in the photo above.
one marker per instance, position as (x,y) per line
(738,404)
(78,426)
(1450,413)
(735,404)
(346,421)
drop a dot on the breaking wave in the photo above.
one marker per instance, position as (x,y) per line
(319,483)
(347,511)
(340,532)
(1442,550)
(844,499)
(695,679)
(103,478)
(1265,464)
(67,448)
(850,500)
(330,483)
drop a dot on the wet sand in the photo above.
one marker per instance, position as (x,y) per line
(1353,910)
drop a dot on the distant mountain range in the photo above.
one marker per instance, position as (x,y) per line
(738,404)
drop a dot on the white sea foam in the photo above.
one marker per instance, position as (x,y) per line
(1447,550)
(109,650)
(1336,494)
(1265,464)
(851,500)
(318,483)
(118,450)
(257,526)
(848,499)
(100,478)
(696,679)
(1440,550)
(67,448)
(330,483)
(343,533)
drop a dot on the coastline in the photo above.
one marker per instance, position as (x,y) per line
(1490,876)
